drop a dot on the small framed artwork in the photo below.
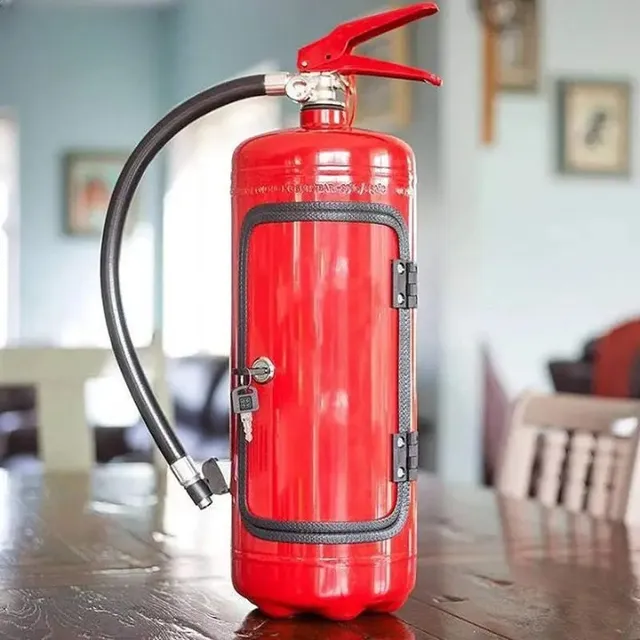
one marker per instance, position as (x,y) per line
(594,127)
(384,103)
(90,178)
(519,52)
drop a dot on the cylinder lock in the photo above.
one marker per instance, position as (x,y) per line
(263,370)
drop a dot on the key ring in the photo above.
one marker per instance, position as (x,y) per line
(239,373)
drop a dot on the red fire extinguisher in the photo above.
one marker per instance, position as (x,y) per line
(323,430)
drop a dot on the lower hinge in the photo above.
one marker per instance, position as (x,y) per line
(405,284)
(405,456)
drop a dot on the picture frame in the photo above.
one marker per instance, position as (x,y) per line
(594,127)
(89,180)
(519,53)
(385,103)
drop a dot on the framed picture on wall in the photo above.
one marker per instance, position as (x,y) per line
(594,136)
(384,103)
(89,179)
(519,52)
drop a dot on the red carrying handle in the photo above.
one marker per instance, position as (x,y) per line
(333,53)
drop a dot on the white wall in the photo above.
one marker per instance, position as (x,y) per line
(559,254)
(459,409)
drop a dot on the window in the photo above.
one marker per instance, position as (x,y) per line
(197,226)
(9,233)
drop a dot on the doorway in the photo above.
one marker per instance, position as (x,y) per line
(197,224)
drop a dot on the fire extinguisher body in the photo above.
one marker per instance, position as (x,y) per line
(324,512)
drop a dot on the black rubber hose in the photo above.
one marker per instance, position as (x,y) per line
(124,191)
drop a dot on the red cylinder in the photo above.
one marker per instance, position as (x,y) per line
(323,521)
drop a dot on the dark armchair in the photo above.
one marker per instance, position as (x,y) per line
(575,376)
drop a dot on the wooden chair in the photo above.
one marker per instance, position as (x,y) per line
(576,452)
(59,376)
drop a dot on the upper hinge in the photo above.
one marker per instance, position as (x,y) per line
(405,456)
(405,284)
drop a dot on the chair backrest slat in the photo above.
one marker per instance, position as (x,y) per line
(579,461)
(576,452)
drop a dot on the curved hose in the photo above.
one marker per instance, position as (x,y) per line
(157,423)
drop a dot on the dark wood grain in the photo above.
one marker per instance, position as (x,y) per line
(109,556)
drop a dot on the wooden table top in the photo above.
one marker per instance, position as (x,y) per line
(101,558)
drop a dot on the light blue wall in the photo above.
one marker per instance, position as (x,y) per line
(215,41)
(559,253)
(531,262)
(508,250)
(83,78)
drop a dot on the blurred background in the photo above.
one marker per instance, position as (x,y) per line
(528,206)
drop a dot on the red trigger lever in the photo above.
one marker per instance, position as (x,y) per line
(334,51)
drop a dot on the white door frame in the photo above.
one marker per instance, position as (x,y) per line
(9,163)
